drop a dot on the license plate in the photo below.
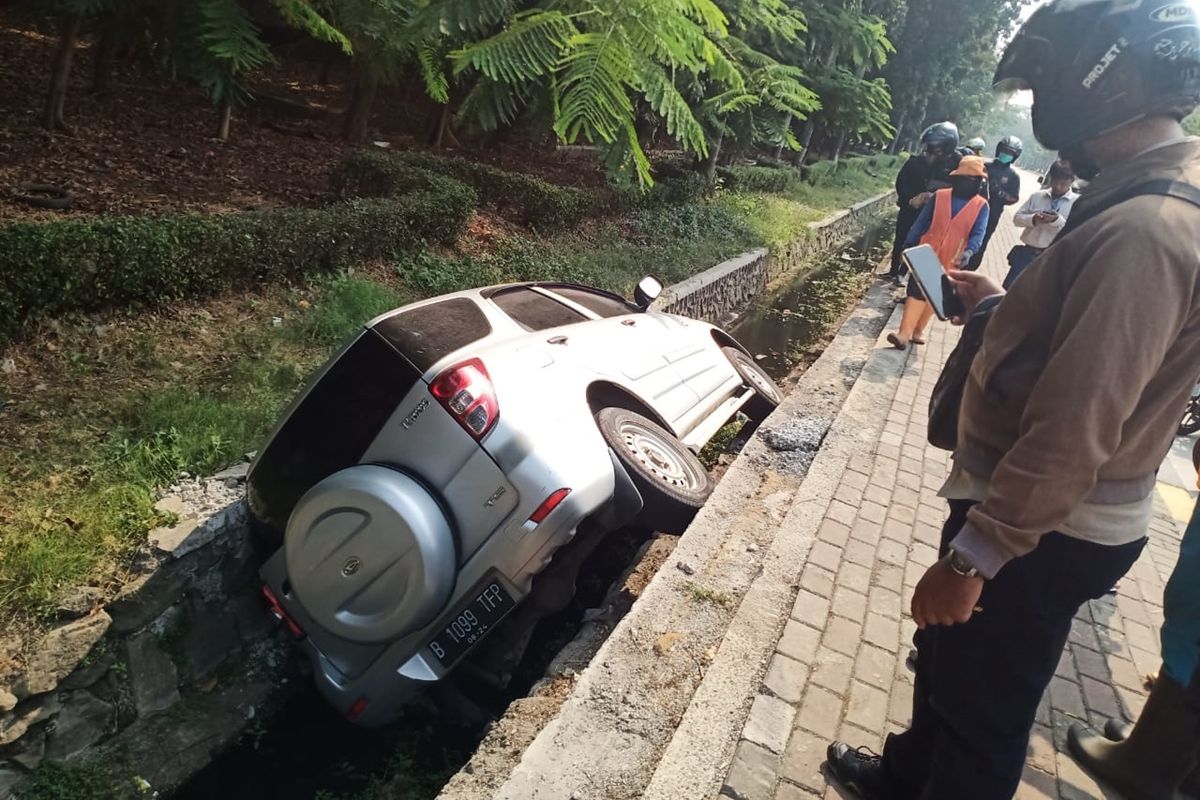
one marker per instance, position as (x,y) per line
(481,612)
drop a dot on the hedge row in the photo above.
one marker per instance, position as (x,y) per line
(774,180)
(90,264)
(524,198)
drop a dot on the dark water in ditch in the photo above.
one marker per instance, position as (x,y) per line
(786,327)
(306,751)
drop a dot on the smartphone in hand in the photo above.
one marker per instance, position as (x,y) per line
(931,276)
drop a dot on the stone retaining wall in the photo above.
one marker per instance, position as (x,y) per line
(186,635)
(722,293)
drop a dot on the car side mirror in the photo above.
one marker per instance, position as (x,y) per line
(648,290)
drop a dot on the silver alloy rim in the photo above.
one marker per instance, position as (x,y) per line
(759,382)
(657,457)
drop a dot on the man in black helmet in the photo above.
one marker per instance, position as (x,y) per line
(1070,405)
(1004,189)
(917,181)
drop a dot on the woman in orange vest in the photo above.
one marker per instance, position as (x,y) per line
(954,224)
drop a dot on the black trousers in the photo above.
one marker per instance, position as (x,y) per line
(978,685)
(905,219)
(994,215)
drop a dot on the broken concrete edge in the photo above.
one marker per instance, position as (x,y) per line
(184,633)
(608,737)
(718,295)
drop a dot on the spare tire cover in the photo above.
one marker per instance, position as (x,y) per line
(370,554)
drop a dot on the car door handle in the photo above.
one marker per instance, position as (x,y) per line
(629,323)
(557,340)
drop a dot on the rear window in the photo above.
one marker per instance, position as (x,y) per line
(428,334)
(534,311)
(600,304)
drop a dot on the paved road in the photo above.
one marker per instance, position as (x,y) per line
(838,670)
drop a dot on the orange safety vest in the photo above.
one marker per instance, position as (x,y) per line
(948,235)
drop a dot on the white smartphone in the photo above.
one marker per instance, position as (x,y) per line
(927,271)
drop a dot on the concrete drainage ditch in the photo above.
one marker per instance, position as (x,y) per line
(184,665)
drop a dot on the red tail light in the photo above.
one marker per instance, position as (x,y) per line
(356,710)
(550,503)
(281,615)
(466,391)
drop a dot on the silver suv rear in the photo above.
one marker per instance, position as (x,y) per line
(436,464)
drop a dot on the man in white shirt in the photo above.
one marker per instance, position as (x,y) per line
(1043,216)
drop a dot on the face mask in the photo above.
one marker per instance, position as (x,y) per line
(965,187)
(1006,158)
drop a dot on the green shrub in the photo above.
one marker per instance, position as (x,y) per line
(343,307)
(87,265)
(772,180)
(524,198)
(57,781)
(818,172)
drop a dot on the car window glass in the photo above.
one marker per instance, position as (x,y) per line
(534,311)
(427,334)
(600,304)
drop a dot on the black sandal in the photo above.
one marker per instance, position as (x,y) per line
(895,341)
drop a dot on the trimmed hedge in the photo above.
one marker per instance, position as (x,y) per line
(772,180)
(90,264)
(818,172)
(524,198)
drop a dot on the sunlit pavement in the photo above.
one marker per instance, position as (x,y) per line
(838,670)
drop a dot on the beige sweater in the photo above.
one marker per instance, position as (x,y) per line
(1086,367)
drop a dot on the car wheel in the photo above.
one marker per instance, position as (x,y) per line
(767,396)
(672,481)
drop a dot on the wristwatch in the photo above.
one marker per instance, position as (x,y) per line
(961,566)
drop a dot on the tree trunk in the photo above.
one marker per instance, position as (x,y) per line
(837,151)
(779,147)
(326,74)
(106,51)
(443,123)
(895,148)
(714,153)
(226,116)
(60,74)
(358,115)
(810,127)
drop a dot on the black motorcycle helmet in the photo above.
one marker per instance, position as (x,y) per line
(942,136)
(1010,145)
(1095,65)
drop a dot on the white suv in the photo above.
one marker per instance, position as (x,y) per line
(435,465)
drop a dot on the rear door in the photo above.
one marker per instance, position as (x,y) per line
(632,347)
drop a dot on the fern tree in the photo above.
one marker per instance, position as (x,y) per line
(847,48)
(72,15)
(217,45)
(768,93)
(595,60)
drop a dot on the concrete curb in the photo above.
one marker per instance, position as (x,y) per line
(658,711)
(698,757)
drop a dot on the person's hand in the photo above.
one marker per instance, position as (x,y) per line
(943,597)
(971,288)
(920,200)
(964,259)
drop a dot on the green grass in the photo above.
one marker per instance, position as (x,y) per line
(77,496)
(702,594)
(85,781)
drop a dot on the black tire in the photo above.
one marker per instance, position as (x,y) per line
(44,195)
(1191,419)
(767,396)
(672,481)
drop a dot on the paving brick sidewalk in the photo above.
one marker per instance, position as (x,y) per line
(838,670)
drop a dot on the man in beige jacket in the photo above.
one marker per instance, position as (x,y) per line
(1071,404)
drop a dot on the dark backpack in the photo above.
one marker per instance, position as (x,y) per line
(947,395)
